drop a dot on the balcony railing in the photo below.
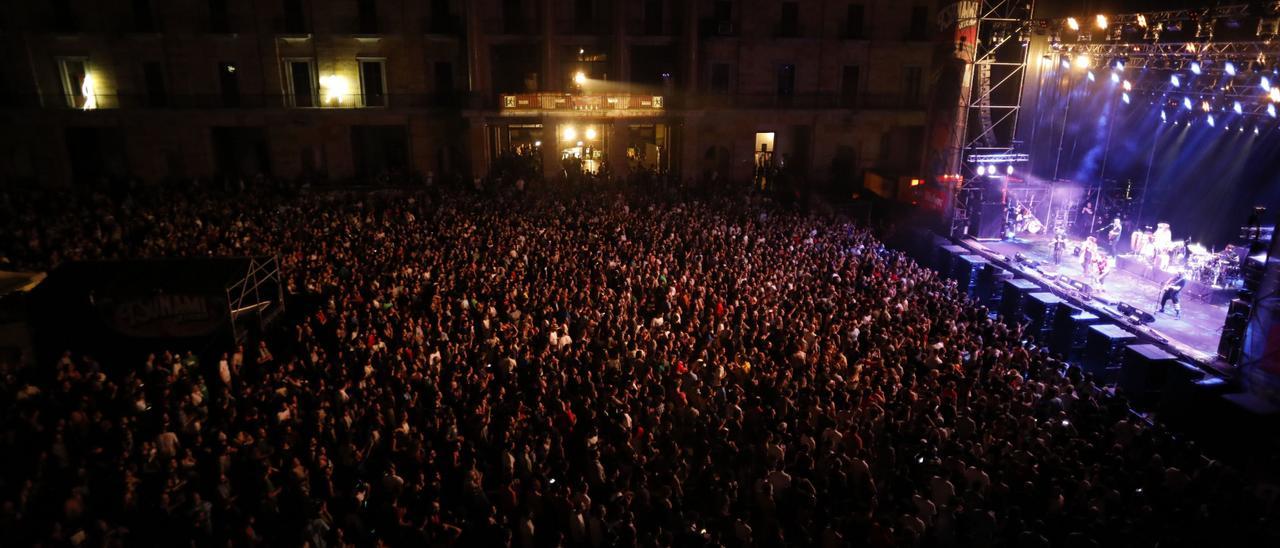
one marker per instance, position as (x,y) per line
(800,101)
(587,102)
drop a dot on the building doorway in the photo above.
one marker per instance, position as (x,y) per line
(582,148)
(765,167)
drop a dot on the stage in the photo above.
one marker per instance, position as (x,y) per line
(1195,335)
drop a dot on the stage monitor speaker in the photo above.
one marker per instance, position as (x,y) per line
(1102,353)
(1145,372)
(1180,391)
(1135,315)
(1013,297)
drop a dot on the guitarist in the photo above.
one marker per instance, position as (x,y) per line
(1113,234)
(1170,293)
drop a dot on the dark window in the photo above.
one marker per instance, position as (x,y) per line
(786,80)
(853,21)
(295,19)
(301,87)
(653,17)
(372,85)
(849,85)
(919,23)
(442,21)
(143,17)
(789,23)
(368,20)
(911,85)
(584,16)
(512,17)
(157,96)
(219,17)
(720,77)
(229,84)
(64,18)
(444,77)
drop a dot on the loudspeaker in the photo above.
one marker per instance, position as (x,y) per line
(989,221)
(1103,344)
(991,285)
(1069,329)
(1040,309)
(1011,300)
(945,256)
(965,270)
(1145,372)
(1230,344)
(1135,315)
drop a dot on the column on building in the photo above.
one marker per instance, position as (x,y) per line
(551,149)
(619,131)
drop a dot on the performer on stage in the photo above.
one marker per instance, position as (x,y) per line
(1088,250)
(1101,267)
(1113,234)
(1170,293)
(1059,245)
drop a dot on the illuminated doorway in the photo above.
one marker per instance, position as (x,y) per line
(764,164)
(582,148)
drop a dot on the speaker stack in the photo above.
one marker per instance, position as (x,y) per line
(1144,375)
(965,270)
(1231,343)
(1012,299)
(946,257)
(1070,327)
(1104,343)
(1040,308)
(991,285)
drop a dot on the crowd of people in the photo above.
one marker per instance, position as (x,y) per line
(606,369)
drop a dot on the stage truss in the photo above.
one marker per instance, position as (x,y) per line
(999,64)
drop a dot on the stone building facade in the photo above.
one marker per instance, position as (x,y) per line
(173,89)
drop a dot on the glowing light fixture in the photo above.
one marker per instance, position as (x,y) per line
(570,133)
(1271,111)
(1073,24)
(1275,94)
(335,88)
(1255,131)
(1101,21)
(1127,86)
(1204,105)
(89,89)
(1082,61)
(1195,67)
(1238,108)
(1175,80)
(1091,76)
(1211,124)
(537,143)
(1186,102)
(1163,117)
(1266,84)
(982,170)
(1230,68)
(1125,97)
(1142,20)
(1115,78)
(580,78)
(1119,65)
(591,133)
(1009,169)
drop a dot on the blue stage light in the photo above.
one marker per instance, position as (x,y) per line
(1266,84)
(1186,102)
(1175,81)
(1163,117)
(1271,111)
(1091,76)
(1195,68)
(1230,68)
(1115,78)
(1236,107)
(1211,124)
(1125,98)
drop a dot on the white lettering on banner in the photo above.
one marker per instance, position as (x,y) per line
(959,14)
(166,316)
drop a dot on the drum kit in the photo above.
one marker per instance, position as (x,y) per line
(1158,249)
(1217,270)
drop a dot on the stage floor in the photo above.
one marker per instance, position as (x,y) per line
(1195,334)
